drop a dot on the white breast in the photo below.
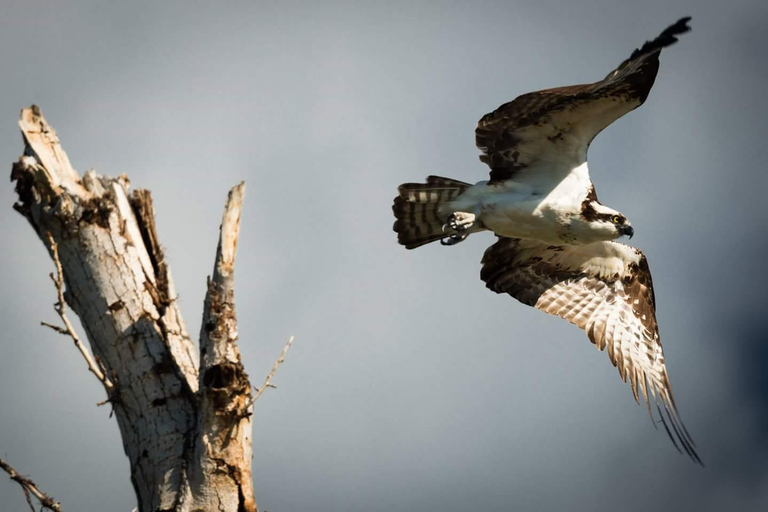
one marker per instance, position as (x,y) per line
(533,207)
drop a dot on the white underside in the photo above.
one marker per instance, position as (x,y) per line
(533,208)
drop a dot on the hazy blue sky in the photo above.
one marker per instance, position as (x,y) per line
(410,387)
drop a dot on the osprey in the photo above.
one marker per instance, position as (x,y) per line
(556,248)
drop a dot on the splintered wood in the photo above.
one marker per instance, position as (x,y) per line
(185,420)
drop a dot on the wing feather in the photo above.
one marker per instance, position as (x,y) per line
(605,289)
(557,125)
(633,383)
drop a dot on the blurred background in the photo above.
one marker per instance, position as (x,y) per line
(409,386)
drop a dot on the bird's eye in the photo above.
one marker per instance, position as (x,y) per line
(616,219)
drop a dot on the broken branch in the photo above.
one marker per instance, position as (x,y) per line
(268,381)
(68,330)
(29,487)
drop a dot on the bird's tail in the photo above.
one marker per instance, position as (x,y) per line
(417,209)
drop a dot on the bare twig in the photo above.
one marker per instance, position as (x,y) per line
(268,381)
(68,330)
(29,487)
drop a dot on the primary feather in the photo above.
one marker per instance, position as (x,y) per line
(556,250)
(605,289)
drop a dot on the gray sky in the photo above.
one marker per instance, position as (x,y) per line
(409,386)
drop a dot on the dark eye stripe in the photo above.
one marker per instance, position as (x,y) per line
(590,215)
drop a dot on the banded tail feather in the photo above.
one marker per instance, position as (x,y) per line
(417,209)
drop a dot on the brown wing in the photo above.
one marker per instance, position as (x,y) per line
(557,125)
(605,289)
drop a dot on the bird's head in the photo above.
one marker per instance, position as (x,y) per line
(604,223)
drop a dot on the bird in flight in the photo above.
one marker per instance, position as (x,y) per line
(555,249)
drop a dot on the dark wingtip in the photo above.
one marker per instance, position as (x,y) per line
(666,38)
(678,28)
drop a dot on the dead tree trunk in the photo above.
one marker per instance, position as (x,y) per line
(185,420)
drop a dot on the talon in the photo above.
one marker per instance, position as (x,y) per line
(454,239)
(461,221)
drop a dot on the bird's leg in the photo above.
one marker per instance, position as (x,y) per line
(460,222)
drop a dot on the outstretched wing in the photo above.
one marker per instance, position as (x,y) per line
(605,289)
(557,125)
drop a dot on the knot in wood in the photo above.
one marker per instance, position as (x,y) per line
(222,376)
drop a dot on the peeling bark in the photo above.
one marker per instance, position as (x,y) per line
(223,452)
(184,421)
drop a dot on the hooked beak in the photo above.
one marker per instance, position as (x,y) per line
(627,230)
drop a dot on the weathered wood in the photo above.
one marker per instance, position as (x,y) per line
(30,489)
(185,423)
(223,452)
